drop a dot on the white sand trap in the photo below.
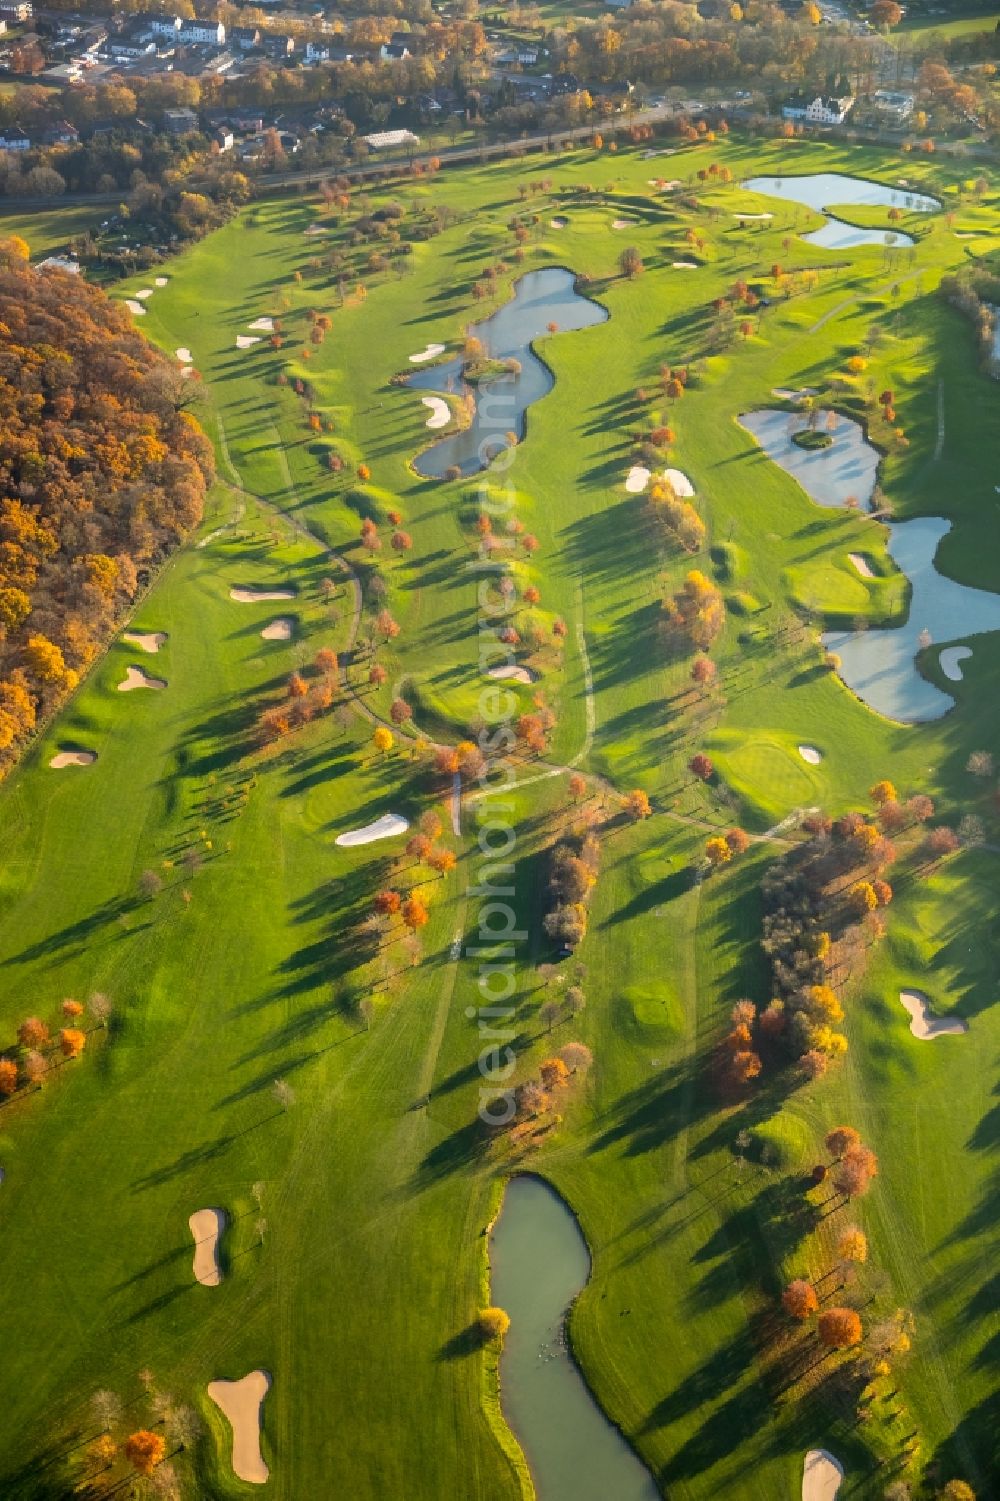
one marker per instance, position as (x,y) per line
(207,1225)
(951,660)
(262,325)
(241,1402)
(637,479)
(316,229)
(150,641)
(135,308)
(160,281)
(513,674)
(862,564)
(259,596)
(429,352)
(684,265)
(184,355)
(679,483)
(811,754)
(622,223)
(382,828)
(924,1024)
(558,222)
(754,216)
(279,630)
(247,341)
(793,393)
(142,296)
(136,678)
(439,409)
(822,1476)
(72,758)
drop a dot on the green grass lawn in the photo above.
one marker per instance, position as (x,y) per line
(949,25)
(375,1192)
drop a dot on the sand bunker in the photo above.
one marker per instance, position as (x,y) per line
(862,564)
(790,393)
(279,630)
(429,352)
(822,1476)
(262,325)
(924,1024)
(184,355)
(684,265)
(513,674)
(951,660)
(150,642)
(146,292)
(637,479)
(316,229)
(679,483)
(160,281)
(241,1402)
(135,308)
(72,758)
(207,1225)
(259,596)
(558,222)
(439,409)
(754,216)
(247,341)
(622,223)
(811,754)
(136,678)
(382,828)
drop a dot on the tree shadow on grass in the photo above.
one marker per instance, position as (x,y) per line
(468,1341)
(76,933)
(677,1099)
(461,1149)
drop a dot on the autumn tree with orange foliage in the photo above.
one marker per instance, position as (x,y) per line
(72,1042)
(104,474)
(839,1328)
(799,1299)
(144,1450)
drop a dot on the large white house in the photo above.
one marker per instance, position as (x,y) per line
(821,110)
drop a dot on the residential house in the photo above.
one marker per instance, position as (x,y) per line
(162,26)
(892,105)
(16,12)
(180,122)
(130,47)
(317,52)
(14,139)
(195,32)
(244,38)
(61,134)
(277,45)
(59,263)
(820,111)
(393,52)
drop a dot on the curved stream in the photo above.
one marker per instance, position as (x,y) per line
(538,1263)
(817,189)
(540,298)
(879,665)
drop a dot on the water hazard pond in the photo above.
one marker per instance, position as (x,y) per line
(539,1262)
(820,189)
(879,665)
(540,298)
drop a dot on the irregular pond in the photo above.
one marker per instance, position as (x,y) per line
(818,189)
(540,298)
(879,665)
(539,1262)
